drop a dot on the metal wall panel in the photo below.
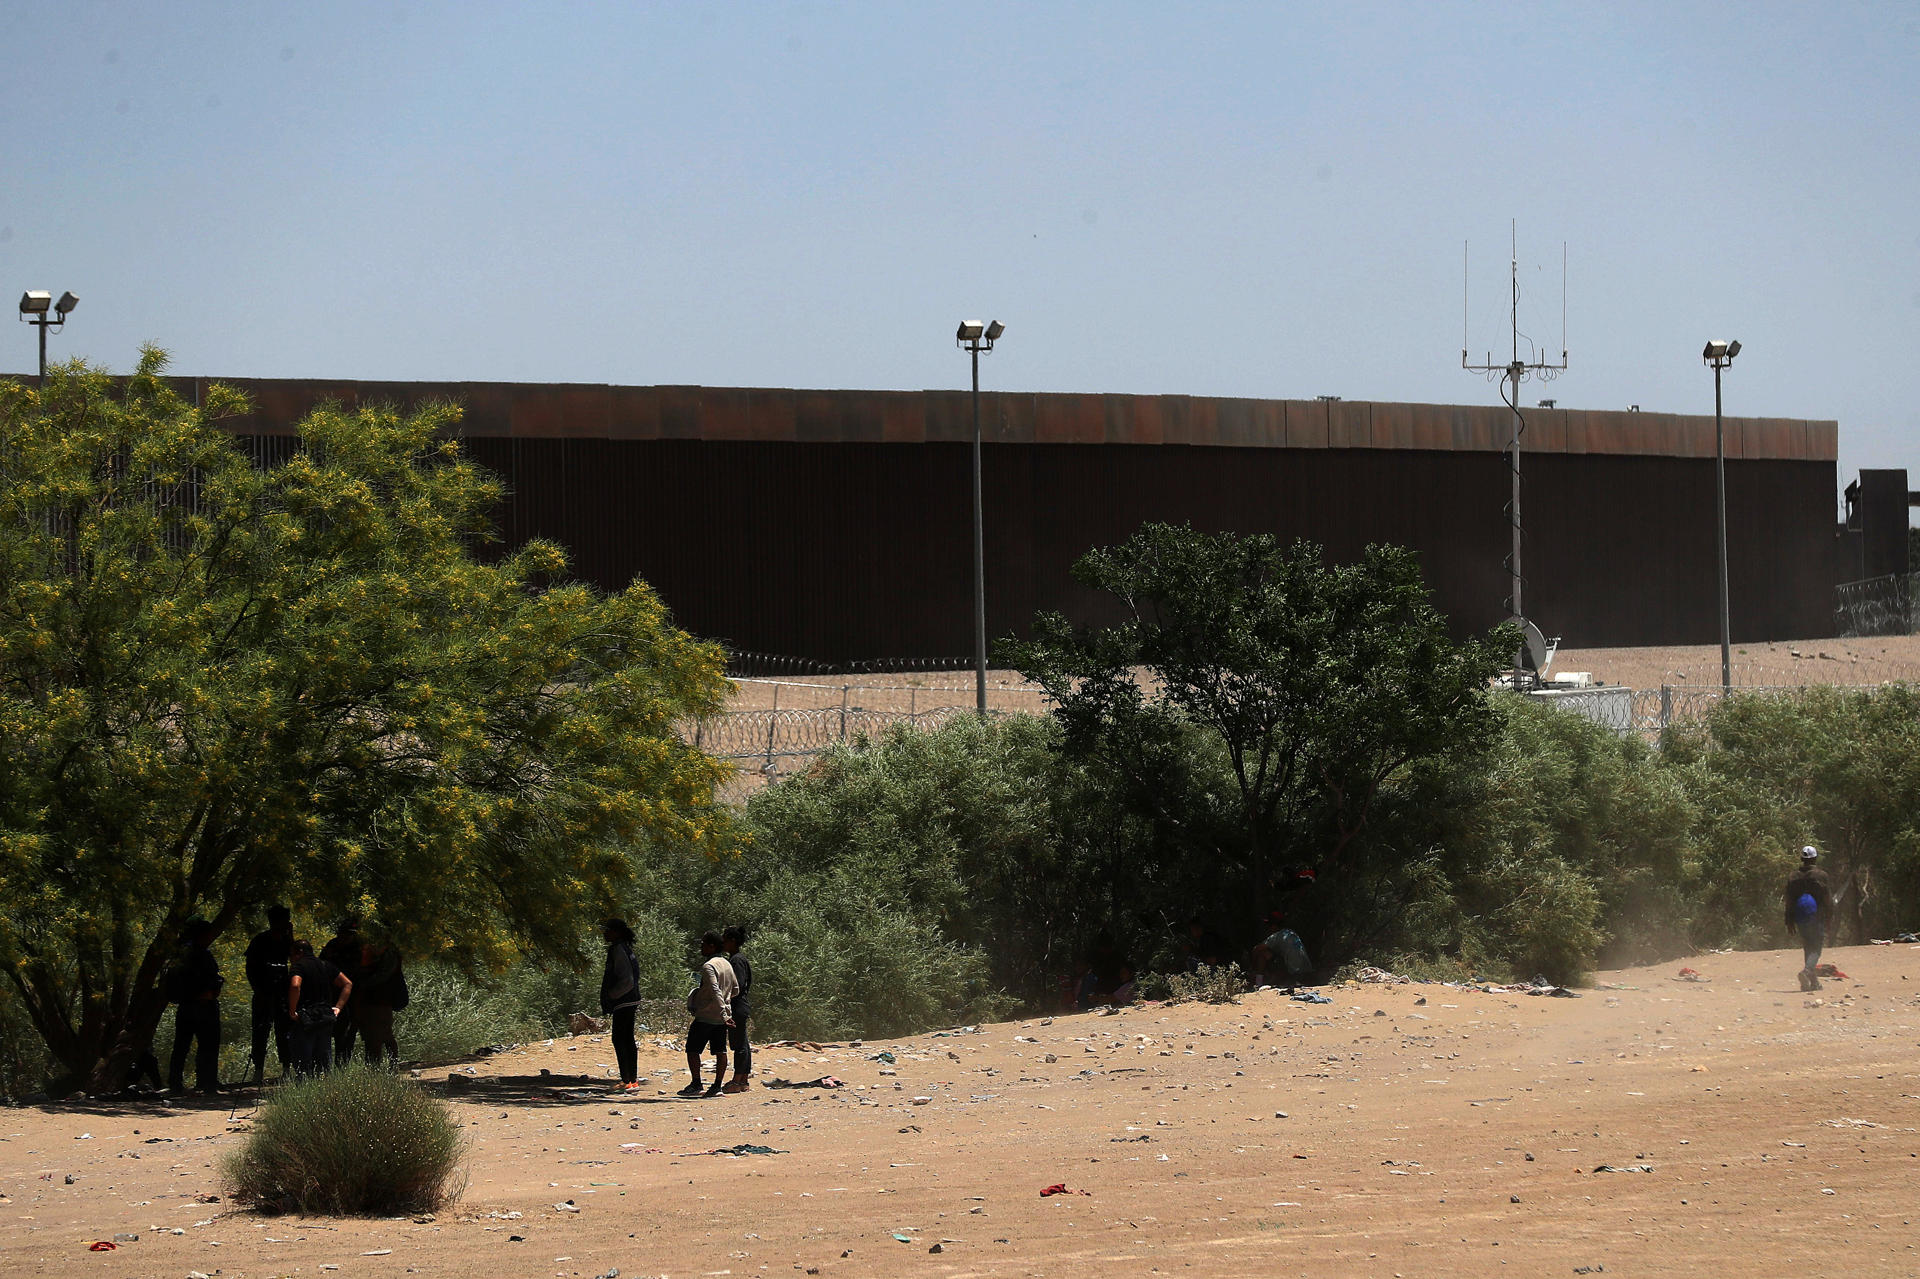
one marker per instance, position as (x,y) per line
(845,552)
(836,525)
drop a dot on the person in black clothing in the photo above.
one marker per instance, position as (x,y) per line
(380,991)
(343,952)
(1203,947)
(194,986)
(731,941)
(1809,903)
(267,975)
(620,997)
(317,993)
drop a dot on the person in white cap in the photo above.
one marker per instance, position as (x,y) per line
(1809,903)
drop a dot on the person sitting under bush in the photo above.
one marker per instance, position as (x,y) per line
(1280,958)
(1109,976)
(1203,948)
(316,994)
(711,1004)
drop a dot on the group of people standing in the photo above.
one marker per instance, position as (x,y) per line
(719,1003)
(311,1006)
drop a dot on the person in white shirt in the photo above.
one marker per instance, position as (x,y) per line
(711,1004)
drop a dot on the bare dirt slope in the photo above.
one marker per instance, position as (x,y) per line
(1403,1130)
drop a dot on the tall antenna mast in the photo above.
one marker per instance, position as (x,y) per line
(1511,374)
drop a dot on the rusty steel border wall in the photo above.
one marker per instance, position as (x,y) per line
(835,525)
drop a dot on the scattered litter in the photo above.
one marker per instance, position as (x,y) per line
(126,1238)
(921,1101)
(1828,970)
(378,1252)
(1310,997)
(1690,974)
(101,1245)
(745,1148)
(1383,977)
(1625,1168)
(902,1238)
(882,1056)
(936,1248)
(825,1081)
(1060,1188)
(1589,1270)
(568,1206)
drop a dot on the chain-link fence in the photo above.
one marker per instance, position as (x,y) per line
(1878,606)
(1649,711)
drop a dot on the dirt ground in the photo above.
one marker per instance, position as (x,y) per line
(1397,1131)
(1788,663)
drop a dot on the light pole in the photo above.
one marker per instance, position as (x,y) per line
(976,337)
(1717,356)
(34,305)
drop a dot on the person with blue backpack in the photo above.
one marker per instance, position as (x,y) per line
(1809,905)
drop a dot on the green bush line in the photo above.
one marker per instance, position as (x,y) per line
(927,878)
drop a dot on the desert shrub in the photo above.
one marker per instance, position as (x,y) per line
(837,961)
(452,1015)
(1207,985)
(354,1142)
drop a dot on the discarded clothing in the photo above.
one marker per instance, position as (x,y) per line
(1310,997)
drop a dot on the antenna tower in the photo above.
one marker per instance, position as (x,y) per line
(1509,376)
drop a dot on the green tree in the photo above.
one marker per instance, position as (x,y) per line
(1316,686)
(223,684)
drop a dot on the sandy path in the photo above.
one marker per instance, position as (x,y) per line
(1780,1129)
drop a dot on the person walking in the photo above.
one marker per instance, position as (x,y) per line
(731,941)
(1809,905)
(620,997)
(383,992)
(317,993)
(266,965)
(343,952)
(711,1004)
(194,986)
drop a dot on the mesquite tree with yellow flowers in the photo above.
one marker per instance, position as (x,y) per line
(225,684)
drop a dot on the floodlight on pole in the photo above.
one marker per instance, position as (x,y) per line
(34,305)
(1719,355)
(976,337)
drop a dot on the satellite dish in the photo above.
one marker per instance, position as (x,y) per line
(1538,654)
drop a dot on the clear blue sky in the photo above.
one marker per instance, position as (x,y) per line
(1257,199)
